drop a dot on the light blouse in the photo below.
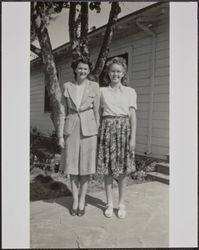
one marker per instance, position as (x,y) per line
(79,89)
(116,102)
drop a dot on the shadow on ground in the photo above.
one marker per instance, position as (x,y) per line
(45,187)
(90,200)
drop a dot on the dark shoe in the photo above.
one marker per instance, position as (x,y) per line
(81,212)
(73,212)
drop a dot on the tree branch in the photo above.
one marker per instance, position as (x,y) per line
(74,24)
(113,16)
(71,22)
(84,30)
(35,50)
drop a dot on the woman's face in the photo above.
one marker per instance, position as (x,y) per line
(116,72)
(82,71)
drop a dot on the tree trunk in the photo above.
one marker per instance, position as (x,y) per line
(73,31)
(35,50)
(49,67)
(84,30)
(113,16)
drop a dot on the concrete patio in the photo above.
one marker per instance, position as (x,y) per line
(146,224)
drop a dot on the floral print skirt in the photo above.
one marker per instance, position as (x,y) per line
(114,157)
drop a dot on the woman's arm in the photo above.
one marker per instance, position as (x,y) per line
(96,106)
(100,113)
(133,122)
(61,120)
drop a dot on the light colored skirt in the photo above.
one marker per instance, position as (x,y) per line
(114,156)
(79,153)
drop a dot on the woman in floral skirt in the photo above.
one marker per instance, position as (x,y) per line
(116,151)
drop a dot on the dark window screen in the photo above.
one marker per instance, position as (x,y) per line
(47,107)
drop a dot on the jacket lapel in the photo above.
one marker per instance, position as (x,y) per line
(72,92)
(86,93)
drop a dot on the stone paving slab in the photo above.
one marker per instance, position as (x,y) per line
(146,224)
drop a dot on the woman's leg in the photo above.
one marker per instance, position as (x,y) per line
(108,181)
(121,188)
(74,186)
(83,190)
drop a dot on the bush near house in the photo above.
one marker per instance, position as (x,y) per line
(144,164)
(44,151)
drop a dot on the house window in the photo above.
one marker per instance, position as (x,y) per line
(47,105)
(102,75)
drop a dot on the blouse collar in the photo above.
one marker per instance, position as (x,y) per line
(120,88)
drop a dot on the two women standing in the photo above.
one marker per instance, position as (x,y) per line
(78,129)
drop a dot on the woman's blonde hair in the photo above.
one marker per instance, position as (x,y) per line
(120,61)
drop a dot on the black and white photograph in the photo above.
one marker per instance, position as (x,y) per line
(100,140)
(99,116)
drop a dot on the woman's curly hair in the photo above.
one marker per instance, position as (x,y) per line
(116,60)
(81,60)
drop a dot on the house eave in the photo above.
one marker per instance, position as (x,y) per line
(122,24)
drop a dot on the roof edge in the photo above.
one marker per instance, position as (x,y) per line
(102,27)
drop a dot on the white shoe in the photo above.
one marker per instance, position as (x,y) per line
(109,210)
(121,211)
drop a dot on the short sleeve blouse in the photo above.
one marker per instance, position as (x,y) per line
(116,102)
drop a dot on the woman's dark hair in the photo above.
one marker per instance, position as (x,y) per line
(81,60)
(120,61)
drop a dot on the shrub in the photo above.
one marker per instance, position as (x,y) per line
(43,179)
(43,150)
(144,165)
(57,185)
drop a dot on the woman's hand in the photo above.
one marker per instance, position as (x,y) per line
(133,123)
(132,147)
(61,142)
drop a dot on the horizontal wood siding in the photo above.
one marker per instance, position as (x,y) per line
(160,131)
(38,118)
(140,72)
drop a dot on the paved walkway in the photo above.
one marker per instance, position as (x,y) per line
(146,225)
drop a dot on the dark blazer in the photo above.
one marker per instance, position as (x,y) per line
(88,111)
